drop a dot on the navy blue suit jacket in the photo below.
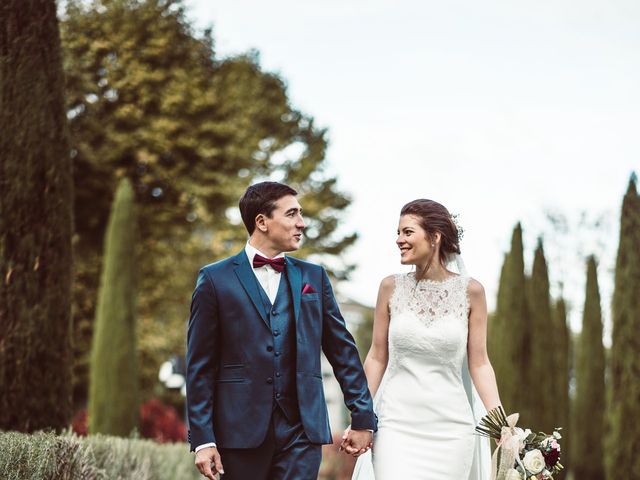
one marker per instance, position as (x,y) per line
(230,357)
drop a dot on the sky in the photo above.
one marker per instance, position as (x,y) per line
(502,111)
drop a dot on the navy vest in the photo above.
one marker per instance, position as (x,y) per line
(283,331)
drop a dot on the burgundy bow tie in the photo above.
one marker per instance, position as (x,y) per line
(276,263)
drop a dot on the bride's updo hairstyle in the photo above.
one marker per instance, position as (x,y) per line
(434,217)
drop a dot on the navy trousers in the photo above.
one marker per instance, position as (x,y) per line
(285,454)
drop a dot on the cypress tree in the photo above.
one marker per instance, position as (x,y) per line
(588,415)
(623,439)
(500,356)
(113,391)
(541,334)
(508,332)
(35,221)
(561,341)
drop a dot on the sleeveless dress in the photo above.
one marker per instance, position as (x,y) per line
(425,416)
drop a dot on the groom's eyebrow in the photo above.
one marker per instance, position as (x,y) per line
(293,210)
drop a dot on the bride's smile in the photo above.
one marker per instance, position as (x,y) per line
(416,246)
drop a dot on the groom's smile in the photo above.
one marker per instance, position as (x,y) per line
(285,225)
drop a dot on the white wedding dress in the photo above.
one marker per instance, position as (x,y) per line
(426,405)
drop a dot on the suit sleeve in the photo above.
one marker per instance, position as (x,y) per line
(202,349)
(340,349)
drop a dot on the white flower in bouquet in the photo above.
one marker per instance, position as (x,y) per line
(513,474)
(533,461)
(522,436)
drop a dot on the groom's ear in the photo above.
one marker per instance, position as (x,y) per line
(261,222)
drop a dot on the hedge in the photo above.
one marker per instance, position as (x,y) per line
(47,456)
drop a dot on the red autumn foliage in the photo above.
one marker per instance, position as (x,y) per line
(161,423)
(80,423)
(158,422)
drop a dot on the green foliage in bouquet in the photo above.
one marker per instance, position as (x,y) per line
(492,423)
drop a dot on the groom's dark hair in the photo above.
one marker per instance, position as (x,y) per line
(261,198)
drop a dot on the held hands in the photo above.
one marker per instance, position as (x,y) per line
(356,442)
(209,463)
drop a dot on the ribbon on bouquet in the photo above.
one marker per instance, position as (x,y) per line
(508,449)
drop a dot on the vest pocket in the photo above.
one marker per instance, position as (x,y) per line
(233,365)
(232,380)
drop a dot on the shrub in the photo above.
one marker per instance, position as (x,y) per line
(96,457)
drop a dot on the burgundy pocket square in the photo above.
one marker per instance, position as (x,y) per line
(307,289)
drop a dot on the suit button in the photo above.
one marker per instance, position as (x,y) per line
(274,312)
(278,395)
(278,374)
(277,354)
(269,380)
(269,348)
(276,333)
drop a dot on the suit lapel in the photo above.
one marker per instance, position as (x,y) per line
(249,282)
(295,279)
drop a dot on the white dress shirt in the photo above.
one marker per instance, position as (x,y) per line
(269,280)
(267,277)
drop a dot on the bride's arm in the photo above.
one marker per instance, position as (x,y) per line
(482,374)
(378,356)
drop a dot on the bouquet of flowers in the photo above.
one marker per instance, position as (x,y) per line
(520,454)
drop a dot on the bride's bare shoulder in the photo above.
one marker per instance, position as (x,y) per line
(475,288)
(387,285)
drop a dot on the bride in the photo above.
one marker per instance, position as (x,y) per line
(427,354)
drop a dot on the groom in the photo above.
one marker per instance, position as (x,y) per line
(259,321)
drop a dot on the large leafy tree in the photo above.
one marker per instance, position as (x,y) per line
(623,439)
(149,100)
(35,221)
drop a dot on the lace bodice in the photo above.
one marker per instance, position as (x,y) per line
(429,319)
(430,300)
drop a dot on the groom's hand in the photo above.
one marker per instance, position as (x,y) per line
(357,442)
(209,463)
